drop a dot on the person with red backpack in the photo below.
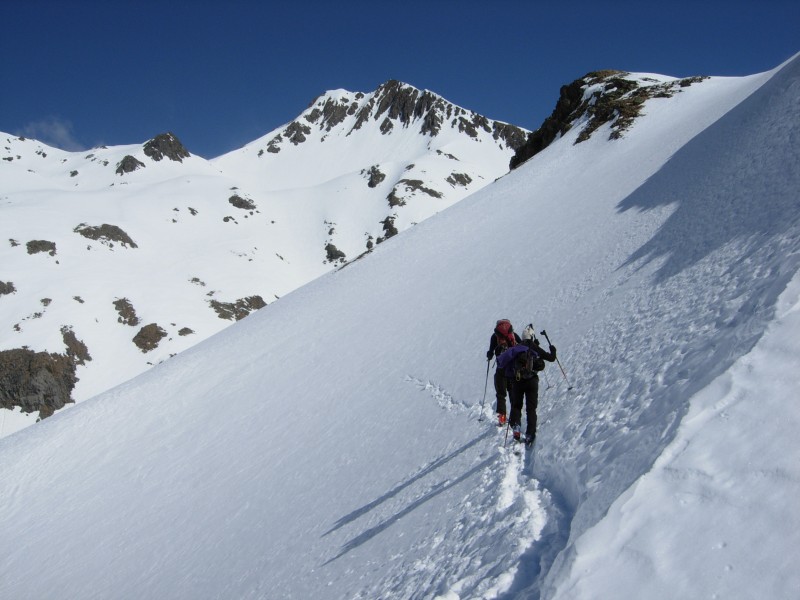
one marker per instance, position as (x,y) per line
(522,363)
(503,338)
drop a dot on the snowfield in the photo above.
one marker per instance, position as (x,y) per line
(330,446)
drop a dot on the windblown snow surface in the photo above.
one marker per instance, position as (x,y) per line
(330,446)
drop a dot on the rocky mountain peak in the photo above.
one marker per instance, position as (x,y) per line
(166,144)
(393,104)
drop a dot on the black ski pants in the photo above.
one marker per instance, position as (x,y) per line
(502,385)
(525,391)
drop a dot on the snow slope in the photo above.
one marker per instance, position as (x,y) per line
(330,447)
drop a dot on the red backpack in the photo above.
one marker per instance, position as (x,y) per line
(504,333)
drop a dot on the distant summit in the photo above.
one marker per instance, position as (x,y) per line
(393,104)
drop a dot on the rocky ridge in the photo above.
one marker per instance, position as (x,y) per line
(598,98)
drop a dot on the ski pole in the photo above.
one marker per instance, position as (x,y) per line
(485,387)
(563,372)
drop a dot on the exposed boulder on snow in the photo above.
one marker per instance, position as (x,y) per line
(375,176)
(461,179)
(388,228)
(128,165)
(7,287)
(333,254)
(166,144)
(76,349)
(127,314)
(242,203)
(148,337)
(106,234)
(409,186)
(237,310)
(35,381)
(598,98)
(37,246)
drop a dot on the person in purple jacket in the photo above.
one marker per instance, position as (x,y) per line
(522,364)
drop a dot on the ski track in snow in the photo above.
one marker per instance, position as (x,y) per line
(499,519)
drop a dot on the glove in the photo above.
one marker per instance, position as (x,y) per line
(552,350)
(489,355)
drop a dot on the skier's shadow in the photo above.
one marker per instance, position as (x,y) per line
(435,491)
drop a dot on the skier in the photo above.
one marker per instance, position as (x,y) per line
(522,363)
(503,337)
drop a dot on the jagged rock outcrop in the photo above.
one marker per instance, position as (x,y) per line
(375,176)
(600,97)
(166,144)
(396,197)
(333,112)
(128,165)
(242,203)
(106,234)
(148,337)
(333,254)
(127,314)
(237,310)
(392,104)
(388,228)
(37,246)
(36,381)
(461,179)
(7,287)
(76,349)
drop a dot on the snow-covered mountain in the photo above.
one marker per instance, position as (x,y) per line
(330,447)
(114,260)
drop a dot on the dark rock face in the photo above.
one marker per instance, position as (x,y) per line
(128,165)
(375,176)
(127,314)
(403,103)
(242,203)
(36,246)
(333,254)
(297,132)
(616,100)
(388,228)
(237,310)
(398,103)
(558,123)
(105,233)
(410,185)
(76,349)
(462,179)
(35,381)
(148,337)
(7,287)
(166,144)
(332,113)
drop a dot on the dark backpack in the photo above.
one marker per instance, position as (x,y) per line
(527,364)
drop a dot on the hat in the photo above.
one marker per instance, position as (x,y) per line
(527,333)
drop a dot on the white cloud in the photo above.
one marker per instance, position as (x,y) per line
(53,131)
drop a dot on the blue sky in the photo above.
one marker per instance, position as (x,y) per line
(82,73)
